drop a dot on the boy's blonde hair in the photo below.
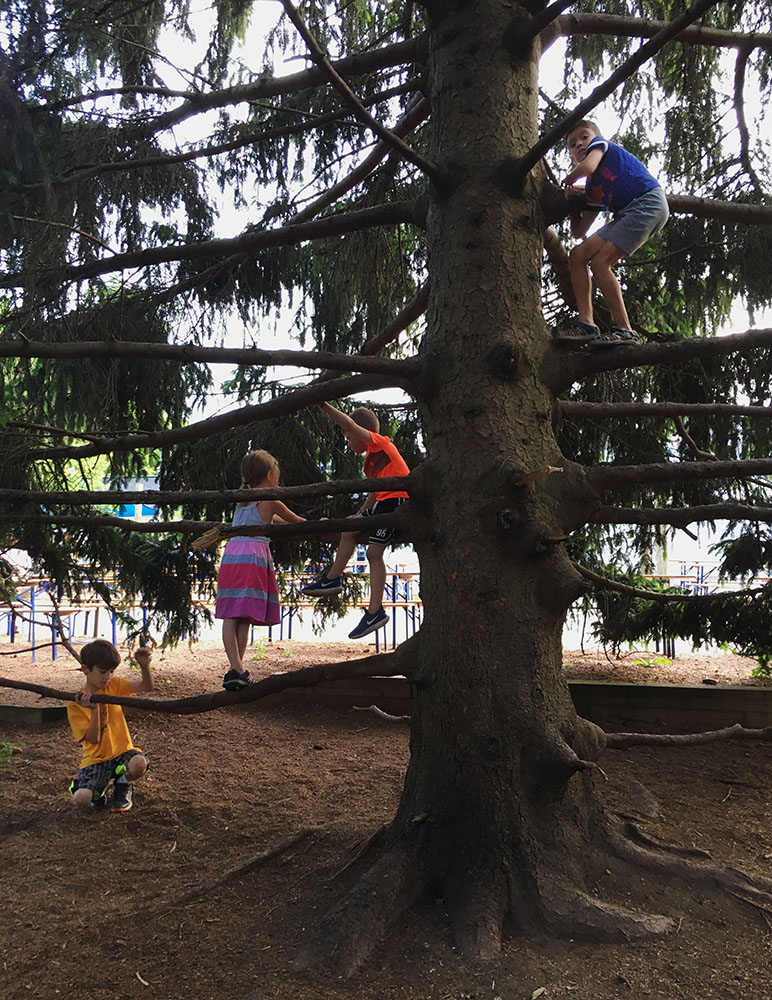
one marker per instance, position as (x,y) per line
(365,418)
(584,123)
(100,653)
(255,466)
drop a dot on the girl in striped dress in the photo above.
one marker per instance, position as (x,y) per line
(246,582)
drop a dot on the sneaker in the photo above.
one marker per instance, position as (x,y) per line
(577,332)
(234,681)
(614,337)
(369,624)
(322,586)
(99,801)
(121,797)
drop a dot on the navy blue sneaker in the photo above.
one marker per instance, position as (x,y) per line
(121,802)
(99,801)
(324,585)
(234,681)
(369,624)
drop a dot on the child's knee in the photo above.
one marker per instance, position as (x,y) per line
(136,767)
(82,796)
(374,553)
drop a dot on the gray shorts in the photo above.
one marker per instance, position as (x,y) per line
(637,222)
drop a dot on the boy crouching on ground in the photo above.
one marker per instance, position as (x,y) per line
(108,753)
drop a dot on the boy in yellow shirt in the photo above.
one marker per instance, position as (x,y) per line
(108,752)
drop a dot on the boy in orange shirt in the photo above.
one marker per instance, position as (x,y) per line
(382,460)
(108,752)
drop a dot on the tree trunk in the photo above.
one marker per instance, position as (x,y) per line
(499,814)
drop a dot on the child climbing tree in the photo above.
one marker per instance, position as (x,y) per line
(395,194)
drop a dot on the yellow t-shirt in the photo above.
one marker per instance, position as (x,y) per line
(114,736)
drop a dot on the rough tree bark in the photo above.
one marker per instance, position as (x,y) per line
(499,814)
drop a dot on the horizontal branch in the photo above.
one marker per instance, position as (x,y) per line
(683,516)
(725,211)
(400,53)
(621,741)
(247,244)
(79,174)
(603,411)
(188,353)
(604,583)
(379,665)
(281,406)
(619,477)
(563,367)
(635,27)
(169,498)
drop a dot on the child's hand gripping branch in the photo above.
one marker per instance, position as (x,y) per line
(382,460)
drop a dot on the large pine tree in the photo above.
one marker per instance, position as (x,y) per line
(396,194)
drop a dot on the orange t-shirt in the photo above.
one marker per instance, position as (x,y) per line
(383,460)
(114,736)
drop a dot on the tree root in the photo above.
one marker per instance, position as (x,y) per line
(354,925)
(670,860)
(574,913)
(647,840)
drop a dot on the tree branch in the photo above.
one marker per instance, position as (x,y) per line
(635,27)
(724,211)
(407,51)
(618,411)
(621,741)
(167,498)
(393,213)
(393,141)
(285,405)
(740,65)
(681,517)
(187,353)
(518,169)
(80,174)
(604,583)
(562,368)
(379,665)
(619,477)
(413,117)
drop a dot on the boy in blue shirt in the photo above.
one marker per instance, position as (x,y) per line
(616,182)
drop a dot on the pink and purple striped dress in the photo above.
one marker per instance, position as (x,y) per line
(246,582)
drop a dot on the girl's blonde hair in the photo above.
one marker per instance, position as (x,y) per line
(255,466)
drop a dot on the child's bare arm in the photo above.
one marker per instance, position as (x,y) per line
(349,427)
(278,513)
(586,168)
(91,734)
(145,682)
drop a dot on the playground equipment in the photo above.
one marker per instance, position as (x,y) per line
(36,610)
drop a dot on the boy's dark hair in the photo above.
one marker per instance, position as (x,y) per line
(255,466)
(100,653)
(365,418)
(585,123)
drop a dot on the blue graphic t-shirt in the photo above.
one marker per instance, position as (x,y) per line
(619,178)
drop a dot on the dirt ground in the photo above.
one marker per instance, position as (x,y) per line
(229,785)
